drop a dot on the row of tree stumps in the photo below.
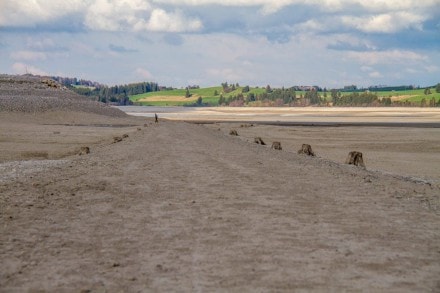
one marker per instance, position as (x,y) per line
(354,158)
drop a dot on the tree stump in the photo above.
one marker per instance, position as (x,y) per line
(276,145)
(258,140)
(355,158)
(117,139)
(233,132)
(306,149)
(84,151)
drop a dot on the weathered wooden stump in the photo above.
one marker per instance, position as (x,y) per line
(306,149)
(84,150)
(258,140)
(355,158)
(233,132)
(276,145)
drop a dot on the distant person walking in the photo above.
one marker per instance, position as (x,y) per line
(156,118)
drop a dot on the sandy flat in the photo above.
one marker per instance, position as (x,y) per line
(293,114)
(402,141)
(177,206)
(185,207)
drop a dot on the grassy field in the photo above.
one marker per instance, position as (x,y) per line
(211,96)
(415,95)
(177,97)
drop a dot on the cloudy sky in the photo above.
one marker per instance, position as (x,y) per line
(330,43)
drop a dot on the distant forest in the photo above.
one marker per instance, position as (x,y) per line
(234,95)
(317,96)
(118,94)
(289,97)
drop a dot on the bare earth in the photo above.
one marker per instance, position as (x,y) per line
(183,207)
(175,206)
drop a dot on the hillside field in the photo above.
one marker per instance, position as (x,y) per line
(211,95)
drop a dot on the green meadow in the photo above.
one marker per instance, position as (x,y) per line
(211,95)
(177,97)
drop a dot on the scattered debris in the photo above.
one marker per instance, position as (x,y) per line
(51,83)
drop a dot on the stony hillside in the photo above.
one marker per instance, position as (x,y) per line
(30,94)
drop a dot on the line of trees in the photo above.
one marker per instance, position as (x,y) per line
(289,97)
(315,95)
(310,95)
(118,94)
(270,97)
(73,81)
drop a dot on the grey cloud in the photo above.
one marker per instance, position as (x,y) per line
(344,46)
(173,39)
(121,49)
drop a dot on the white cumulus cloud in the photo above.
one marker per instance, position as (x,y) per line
(117,15)
(386,57)
(385,23)
(32,12)
(271,6)
(163,21)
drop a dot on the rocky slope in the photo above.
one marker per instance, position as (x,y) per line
(31,94)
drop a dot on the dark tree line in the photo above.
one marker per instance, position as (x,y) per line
(288,97)
(118,94)
(272,97)
(358,99)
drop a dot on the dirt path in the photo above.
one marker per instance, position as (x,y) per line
(179,207)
